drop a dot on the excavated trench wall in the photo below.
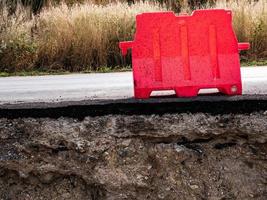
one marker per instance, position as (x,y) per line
(169,156)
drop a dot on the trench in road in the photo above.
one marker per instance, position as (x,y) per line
(199,148)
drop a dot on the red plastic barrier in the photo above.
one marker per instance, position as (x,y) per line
(185,53)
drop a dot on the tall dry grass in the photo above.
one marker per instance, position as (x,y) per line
(79,37)
(85,36)
(17,47)
(250,24)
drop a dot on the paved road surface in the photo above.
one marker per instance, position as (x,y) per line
(76,87)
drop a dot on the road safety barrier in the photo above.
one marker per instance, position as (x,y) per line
(185,53)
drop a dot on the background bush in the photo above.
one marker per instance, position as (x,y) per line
(18,49)
(175,5)
(84,36)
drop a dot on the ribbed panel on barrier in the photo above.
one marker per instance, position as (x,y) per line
(185,53)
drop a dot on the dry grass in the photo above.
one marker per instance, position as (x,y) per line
(250,24)
(17,48)
(85,36)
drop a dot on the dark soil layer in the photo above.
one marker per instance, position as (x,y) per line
(173,156)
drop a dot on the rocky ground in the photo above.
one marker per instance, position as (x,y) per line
(173,156)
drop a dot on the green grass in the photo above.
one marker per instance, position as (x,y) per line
(32,73)
(101,70)
(61,72)
(254,63)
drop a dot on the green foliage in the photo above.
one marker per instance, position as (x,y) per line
(258,39)
(17,54)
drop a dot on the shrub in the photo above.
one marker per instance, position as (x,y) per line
(37,5)
(18,50)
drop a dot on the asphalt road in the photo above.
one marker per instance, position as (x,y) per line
(78,87)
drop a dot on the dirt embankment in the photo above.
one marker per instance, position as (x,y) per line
(174,156)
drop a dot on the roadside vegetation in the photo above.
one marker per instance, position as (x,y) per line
(77,35)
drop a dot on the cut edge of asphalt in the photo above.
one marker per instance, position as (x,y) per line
(98,107)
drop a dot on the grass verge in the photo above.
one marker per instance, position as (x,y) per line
(101,70)
(60,72)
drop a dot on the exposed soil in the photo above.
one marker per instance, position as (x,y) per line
(172,156)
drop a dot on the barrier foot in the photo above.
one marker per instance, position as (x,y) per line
(142,93)
(235,89)
(186,91)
